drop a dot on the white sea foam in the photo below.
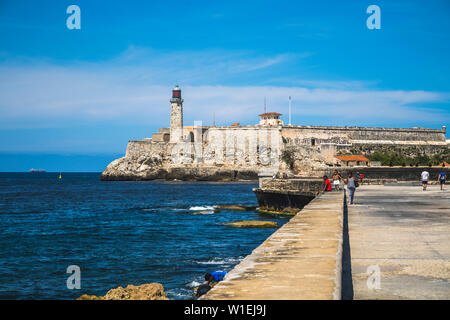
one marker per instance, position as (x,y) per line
(203,212)
(179,293)
(199,208)
(193,284)
(230,260)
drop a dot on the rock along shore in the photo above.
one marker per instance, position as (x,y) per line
(148,291)
(124,170)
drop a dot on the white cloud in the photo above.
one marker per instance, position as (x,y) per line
(135,88)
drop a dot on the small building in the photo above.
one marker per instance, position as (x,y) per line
(353,160)
(163,135)
(271,119)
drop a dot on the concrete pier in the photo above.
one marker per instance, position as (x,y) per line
(393,243)
(404,233)
(301,260)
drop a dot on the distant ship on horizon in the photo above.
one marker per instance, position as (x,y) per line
(37,170)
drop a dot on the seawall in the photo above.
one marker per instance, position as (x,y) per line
(381,174)
(301,260)
(277,194)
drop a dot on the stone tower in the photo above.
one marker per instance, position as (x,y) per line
(176,115)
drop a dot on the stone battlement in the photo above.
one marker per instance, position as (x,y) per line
(414,129)
(299,149)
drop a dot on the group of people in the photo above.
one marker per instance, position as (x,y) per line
(280,175)
(351,182)
(425,176)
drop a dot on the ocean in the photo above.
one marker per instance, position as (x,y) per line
(118,233)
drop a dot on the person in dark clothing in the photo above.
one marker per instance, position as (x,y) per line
(351,187)
(205,287)
(442,176)
(210,280)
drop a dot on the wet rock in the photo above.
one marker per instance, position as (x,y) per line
(284,212)
(237,207)
(90,297)
(202,212)
(148,291)
(152,169)
(252,224)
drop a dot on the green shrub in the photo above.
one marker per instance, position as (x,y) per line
(398,159)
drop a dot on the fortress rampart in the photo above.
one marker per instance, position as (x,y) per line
(347,136)
(269,144)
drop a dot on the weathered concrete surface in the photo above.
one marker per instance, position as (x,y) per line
(406,233)
(301,260)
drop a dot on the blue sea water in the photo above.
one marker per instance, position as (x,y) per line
(118,233)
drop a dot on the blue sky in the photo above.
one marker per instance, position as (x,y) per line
(71,99)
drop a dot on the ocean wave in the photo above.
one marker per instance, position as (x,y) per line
(159,209)
(219,261)
(199,208)
(180,293)
(193,284)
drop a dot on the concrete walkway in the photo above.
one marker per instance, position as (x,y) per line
(404,233)
(301,260)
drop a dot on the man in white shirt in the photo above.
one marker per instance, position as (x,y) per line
(425,175)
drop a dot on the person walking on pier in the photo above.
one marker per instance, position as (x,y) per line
(351,187)
(441,177)
(336,180)
(425,175)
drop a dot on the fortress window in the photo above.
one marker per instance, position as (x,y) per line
(313,142)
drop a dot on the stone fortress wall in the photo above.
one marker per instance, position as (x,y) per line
(269,144)
(362,135)
(239,146)
(256,147)
(322,143)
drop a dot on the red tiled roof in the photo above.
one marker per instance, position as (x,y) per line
(270,114)
(352,158)
(235,124)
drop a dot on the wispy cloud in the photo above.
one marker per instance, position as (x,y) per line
(135,88)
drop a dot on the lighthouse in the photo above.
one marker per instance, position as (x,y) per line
(176,116)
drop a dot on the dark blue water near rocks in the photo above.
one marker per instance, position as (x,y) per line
(118,233)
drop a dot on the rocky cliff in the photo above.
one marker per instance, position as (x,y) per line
(127,168)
